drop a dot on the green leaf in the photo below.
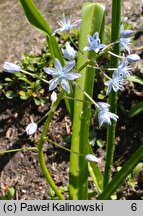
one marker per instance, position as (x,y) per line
(8,79)
(11,193)
(119,178)
(95,173)
(10,94)
(38,21)
(37,101)
(27,81)
(136,79)
(2,86)
(136,109)
(92,21)
(23,95)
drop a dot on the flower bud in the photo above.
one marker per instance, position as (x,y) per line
(31,128)
(11,67)
(53,97)
(92,158)
(133,58)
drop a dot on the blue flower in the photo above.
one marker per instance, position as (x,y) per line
(118,77)
(123,69)
(31,128)
(61,75)
(116,83)
(125,38)
(66,24)
(94,43)
(11,67)
(125,33)
(69,53)
(124,42)
(104,116)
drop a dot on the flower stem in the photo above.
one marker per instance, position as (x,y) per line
(40,148)
(115,33)
(34,76)
(88,96)
(19,149)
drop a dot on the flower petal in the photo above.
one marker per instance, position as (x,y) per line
(126,33)
(68,66)
(76,23)
(51,71)
(103,105)
(53,83)
(65,85)
(57,65)
(109,84)
(72,76)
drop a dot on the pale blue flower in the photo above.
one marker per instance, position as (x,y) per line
(124,42)
(104,116)
(133,58)
(61,75)
(31,128)
(69,53)
(123,69)
(125,38)
(125,33)
(11,67)
(118,81)
(66,24)
(94,43)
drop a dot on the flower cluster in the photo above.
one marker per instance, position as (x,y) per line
(119,76)
(64,74)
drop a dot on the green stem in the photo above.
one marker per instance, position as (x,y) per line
(40,147)
(64,148)
(34,76)
(19,149)
(88,96)
(115,33)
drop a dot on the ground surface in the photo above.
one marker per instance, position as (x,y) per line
(21,170)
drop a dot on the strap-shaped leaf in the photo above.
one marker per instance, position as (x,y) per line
(92,21)
(119,178)
(38,21)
